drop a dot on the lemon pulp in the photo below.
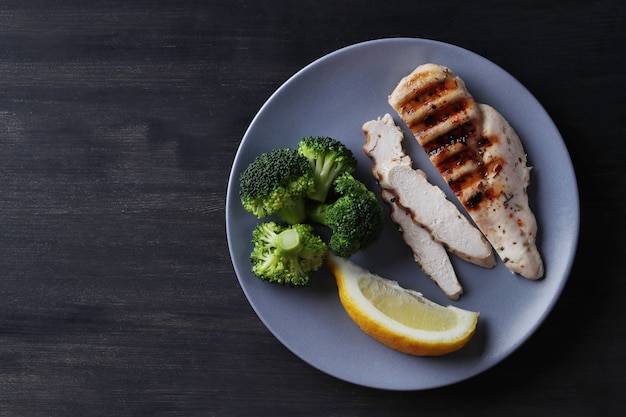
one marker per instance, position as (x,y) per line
(405,307)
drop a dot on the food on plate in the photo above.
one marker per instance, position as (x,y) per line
(286,254)
(429,254)
(356,217)
(427,203)
(384,143)
(277,182)
(400,318)
(329,158)
(286,183)
(513,230)
(479,155)
(430,207)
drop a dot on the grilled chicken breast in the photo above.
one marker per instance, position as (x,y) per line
(479,155)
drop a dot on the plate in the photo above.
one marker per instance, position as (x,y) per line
(334,96)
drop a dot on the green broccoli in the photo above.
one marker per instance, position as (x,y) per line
(346,184)
(356,218)
(277,183)
(329,158)
(286,254)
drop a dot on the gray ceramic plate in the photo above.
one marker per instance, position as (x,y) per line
(334,96)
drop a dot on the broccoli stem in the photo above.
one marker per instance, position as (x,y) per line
(317,212)
(293,214)
(326,172)
(288,241)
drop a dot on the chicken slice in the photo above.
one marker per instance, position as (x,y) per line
(480,157)
(383,142)
(430,208)
(431,256)
(507,220)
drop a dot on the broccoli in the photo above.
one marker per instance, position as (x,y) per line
(356,218)
(277,183)
(329,159)
(286,254)
(346,184)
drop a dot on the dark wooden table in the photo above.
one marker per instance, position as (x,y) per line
(119,122)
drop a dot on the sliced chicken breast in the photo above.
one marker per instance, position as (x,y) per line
(479,155)
(427,235)
(384,144)
(503,214)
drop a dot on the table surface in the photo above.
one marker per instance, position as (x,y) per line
(119,122)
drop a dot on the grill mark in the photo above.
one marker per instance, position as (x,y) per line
(429,91)
(438,102)
(458,135)
(439,114)
(483,191)
(460,146)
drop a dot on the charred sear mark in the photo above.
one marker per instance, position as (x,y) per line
(426,92)
(474,200)
(461,134)
(441,114)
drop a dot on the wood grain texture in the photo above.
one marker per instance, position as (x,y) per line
(119,122)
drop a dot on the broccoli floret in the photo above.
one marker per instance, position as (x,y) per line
(329,158)
(346,184)
(286,254)
(277,183)
(356,218)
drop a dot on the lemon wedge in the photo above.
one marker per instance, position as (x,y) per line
(400,318)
